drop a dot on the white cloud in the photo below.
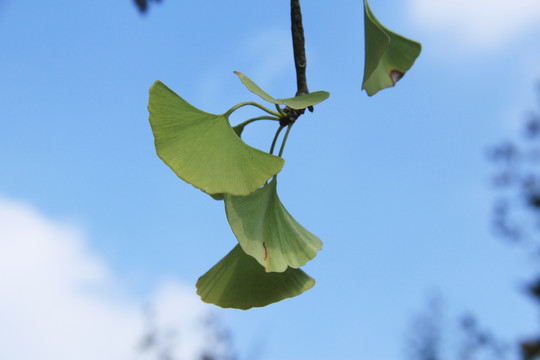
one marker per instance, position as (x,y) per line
(480,24)
(56,301)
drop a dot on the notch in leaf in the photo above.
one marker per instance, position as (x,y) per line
(388,56)
(203,149)
(266,231)
(298,102)
(238,281)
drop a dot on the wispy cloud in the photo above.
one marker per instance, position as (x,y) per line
(60,302)
(477,24)
(271,53)
(264,56)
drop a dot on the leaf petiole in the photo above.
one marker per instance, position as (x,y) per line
(249,121)
(275,139)
(285,140)
(240,127)
(280,110)
(252,103)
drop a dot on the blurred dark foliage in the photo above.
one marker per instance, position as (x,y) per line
(516,214)
(534,290)
(161,342)
(425,333)
(479,343)
(516,218)
(531,349)
(432,338)
(142,5)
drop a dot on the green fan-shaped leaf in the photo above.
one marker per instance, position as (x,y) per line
(298,102)
(388,55)
(266,231)
(203,149)
(239,129)
(238,281)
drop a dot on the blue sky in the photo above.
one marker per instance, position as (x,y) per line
(93,224)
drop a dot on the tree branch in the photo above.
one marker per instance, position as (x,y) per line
(300,63)
(297,30)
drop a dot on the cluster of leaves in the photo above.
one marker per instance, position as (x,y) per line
(205,151)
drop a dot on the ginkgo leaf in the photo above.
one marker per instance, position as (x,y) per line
(218,196)
(203,149)
(266,231)
(388,55)
(238,281)
(239,129)
(298,102)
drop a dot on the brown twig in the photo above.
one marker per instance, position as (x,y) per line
(297,30)
(300,63)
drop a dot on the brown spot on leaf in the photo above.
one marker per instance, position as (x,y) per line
(395,75)
(265,251)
